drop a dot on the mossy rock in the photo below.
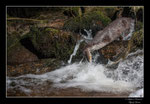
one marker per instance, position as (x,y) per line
(137,39)
(36,67)
(18,54)
(72,11)
(108,11)
(12,39)
(18,28)
(96,17)
(91,20)
(52,43)
(118,48)
(138,26)
(114,50)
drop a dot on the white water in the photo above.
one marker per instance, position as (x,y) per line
(85,38)
(138,93)
(130,70)
(89,77)
(89,34)
(130,33)
(75,50)
(128,77)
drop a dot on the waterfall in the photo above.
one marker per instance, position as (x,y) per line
(127,77)
(130,33)
(88,77)
(75,50)
(85,38)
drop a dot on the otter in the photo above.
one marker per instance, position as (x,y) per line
(110,33)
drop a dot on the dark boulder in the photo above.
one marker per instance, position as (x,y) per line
(53,43)
(19,54)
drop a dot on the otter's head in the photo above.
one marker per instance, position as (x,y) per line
(127,22)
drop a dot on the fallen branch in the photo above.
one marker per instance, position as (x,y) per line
(26,19)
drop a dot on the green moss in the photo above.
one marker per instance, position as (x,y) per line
(53,31)
(72,24)
(138,26)
(12,38)
(138,37)
(87,21)
(13,47)
(109,11)
(98,16)
(136,40)
(74,11)
(52,43)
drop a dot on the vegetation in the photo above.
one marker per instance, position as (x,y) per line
(52,43)
(88,21)
(34,27)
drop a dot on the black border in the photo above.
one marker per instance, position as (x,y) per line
(61,100)
(75,2)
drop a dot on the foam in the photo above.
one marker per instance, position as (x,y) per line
(88,77)
(138,93)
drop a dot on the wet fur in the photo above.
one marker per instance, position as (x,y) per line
(107,35)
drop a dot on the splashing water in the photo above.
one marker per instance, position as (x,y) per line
(75,50)
(89,34)
(128,77)
(88,37)
(89,77)
(130,33)
(138,93)
(129,70)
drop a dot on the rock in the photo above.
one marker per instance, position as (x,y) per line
(138,25)
(17,27)
(49,91)
(72,12)
(136,41)
(12,39)
(37,67)
(19,54)
(108,11)
(140,14)
(114,50)
(95,20)
(53,43)
(117,49)
(16,52)
(128,12)
(101,59)
(58,24)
